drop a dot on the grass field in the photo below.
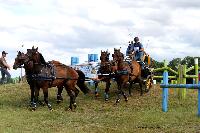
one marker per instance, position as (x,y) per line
(139,114)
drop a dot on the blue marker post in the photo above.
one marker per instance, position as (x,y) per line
(165,92)
(165,87)
(189,86)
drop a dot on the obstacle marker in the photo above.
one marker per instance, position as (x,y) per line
(165,87)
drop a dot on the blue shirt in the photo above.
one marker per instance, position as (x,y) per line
(134,47)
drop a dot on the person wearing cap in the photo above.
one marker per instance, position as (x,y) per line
(4,68)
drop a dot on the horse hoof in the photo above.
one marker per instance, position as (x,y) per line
(33,109)
(59,101)
(72,110)
(68,109)
(75,105)
(33,106)
(117,101)
(49,106)
(97,95)
(126,99)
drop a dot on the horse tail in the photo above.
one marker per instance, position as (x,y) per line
(81,82)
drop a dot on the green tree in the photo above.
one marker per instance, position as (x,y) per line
(173,64)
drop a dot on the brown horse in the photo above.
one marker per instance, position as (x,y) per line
(104,73)
(146,73)
(22,59)
(125,72)
(43,75)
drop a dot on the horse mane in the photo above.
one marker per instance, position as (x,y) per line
(42,59)
(56,63)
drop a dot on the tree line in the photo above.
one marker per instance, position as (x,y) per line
(175,62)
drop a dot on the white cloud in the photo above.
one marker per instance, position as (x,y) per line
(65,28)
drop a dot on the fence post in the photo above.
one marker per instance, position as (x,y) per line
(196,66)
(199,95)
(165,90)
(181,80)
(184,81)
(180,77)
(199,102)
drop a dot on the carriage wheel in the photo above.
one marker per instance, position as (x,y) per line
(148,83)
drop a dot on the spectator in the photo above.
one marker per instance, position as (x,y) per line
(4,68)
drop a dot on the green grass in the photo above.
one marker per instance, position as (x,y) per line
(139,114)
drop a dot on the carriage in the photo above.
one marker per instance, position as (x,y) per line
(110,69)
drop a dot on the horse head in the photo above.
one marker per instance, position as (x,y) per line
(118,58)
(20,60)
(104,56)
(35,56)
(105,62)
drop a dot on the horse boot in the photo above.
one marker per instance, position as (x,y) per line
(59,98)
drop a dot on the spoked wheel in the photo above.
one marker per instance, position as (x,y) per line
(148,83)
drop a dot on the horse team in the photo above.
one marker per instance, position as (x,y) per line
(43,75)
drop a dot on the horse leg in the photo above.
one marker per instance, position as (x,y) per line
(96,83)
(37,90)
(130,87)
(141,86)
(45,92)
(125,97)
(76,91)
(121,92)
(59,94)
(107,90)
(72,99)
(33,104)
(118,93)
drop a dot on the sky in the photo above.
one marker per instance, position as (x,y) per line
(62,29)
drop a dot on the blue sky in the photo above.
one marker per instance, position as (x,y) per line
(65,28)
